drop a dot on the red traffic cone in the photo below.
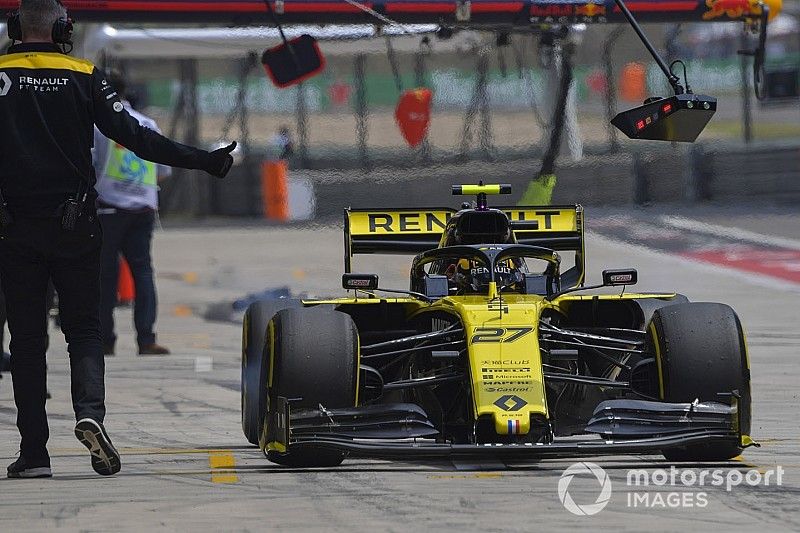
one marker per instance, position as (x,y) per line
(126,291)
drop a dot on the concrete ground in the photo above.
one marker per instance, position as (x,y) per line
(187,467)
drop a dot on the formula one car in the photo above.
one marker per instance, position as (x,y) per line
(492,351)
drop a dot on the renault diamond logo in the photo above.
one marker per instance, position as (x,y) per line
(5,84)
(509,402)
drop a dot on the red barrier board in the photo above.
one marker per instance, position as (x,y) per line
(518,13)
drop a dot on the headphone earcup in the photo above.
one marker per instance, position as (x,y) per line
(14,27)
(62,31)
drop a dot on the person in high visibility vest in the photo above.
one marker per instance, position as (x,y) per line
(127,189)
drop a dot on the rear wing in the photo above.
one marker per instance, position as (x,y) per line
(558,227)
(412,231)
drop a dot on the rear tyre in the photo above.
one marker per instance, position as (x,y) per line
(701,351)
(254,372)
(314,358)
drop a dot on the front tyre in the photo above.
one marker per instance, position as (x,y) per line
(314,358)
(254,372)
(700,352)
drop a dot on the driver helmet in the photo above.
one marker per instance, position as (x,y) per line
(475,276)
(483,227)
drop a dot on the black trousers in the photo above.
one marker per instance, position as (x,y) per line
(2,319)
(51,295)
(33,251)
(129,234)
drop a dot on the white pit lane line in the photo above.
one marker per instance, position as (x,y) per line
(729,232)
(750,278)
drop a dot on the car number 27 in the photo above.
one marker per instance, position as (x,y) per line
(499,334)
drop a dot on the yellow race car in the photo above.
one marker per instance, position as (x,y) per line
(492,351)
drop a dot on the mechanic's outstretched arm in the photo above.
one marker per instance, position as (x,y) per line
(115,123)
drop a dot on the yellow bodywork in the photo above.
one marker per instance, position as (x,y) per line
(502,338)
(402,223)
(501,331)
(502,355)
(504,361)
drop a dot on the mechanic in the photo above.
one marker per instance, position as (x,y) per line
(283,143)
(127,204)
(49,103)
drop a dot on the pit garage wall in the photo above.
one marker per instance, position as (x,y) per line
(685,173)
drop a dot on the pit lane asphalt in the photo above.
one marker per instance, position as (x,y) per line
(186,466)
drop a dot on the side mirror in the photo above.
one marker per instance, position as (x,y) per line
(611,278)
(293,61)
(360,282)
(436,286)
(625,276)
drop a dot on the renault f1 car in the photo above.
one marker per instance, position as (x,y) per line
(493,351)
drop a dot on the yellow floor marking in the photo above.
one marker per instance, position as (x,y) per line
(741,459)
(221,460)
(202,345)
(224,461)
(224,478)
(492,475)
(192,473)
(145,451)
(182,311)
(184,336)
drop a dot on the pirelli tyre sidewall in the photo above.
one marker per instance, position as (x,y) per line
(700,353)
(254,371)
(314,359)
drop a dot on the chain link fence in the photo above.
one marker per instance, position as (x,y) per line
(494,100)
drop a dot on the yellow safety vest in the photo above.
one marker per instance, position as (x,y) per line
(124,165)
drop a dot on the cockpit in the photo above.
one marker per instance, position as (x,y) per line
(467,272)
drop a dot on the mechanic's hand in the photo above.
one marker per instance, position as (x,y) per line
(220,161)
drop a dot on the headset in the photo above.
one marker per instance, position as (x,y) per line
(62,29)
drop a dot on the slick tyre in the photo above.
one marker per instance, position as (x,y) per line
(254,372)
(700,349)
(315,360)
